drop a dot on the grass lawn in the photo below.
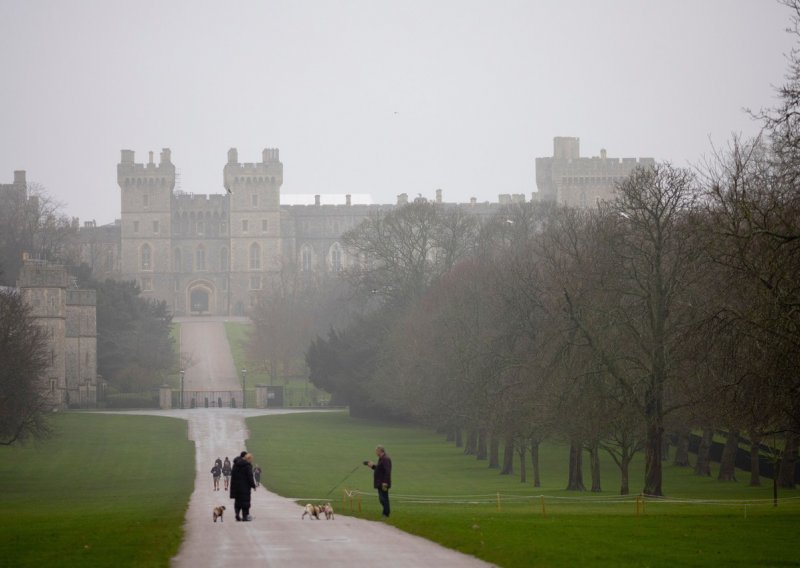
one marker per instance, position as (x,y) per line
(105,491)
(450,498)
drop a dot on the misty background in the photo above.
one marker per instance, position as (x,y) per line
(369,97)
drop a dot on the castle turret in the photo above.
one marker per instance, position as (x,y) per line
(255,233)
(147,224)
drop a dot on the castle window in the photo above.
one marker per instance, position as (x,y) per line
(176,260)
(305,259)
(136,226)
(255,282)
(255,257)
(254,200)
(146,200)
(244,225)
(109,262)
(146,257)
(336,257)
(264,225)
(223,259)
(147,284)
(200,263)
(200,227)
(155,227)
(223,227)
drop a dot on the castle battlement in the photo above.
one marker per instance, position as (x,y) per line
(129,173)
(199,202)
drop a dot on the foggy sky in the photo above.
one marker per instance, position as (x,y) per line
(371,96)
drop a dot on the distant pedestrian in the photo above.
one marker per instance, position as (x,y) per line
(216,471)
(241,483)
(382,477)
(257,474)
(226,472)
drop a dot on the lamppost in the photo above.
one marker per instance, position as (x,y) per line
(244,376)
(182,373)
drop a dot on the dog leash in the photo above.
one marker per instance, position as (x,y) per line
(343,480)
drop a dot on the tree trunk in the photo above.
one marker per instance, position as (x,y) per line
(459,440)
(523,471)
(471,447)
(755,462)
(508,456)
(682,450)
(482,449)
(594,461)
(702,466)
(624,473)
(652,457)
(575,481)
(494,451)
(664,447)
(786,471)
(537,480)
(451,435)
(727,464)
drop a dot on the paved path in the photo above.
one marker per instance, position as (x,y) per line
(276,536)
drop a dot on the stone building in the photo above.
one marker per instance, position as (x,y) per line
(214,254)
(70,319)
(568,179)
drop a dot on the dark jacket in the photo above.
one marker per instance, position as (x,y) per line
(382,472)
(242,480)
(226,467)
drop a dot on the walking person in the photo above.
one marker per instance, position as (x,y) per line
(226,472)
(257,474)
(241,483)
(382,477)
(216,471)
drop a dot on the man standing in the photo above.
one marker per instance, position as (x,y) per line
(382,477)
(241,484)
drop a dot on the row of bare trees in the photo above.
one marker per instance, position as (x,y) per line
(675,307)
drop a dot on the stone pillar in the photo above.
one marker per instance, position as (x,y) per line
(165,398)
(261,396)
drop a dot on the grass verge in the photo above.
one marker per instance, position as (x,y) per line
(105,491)
(306,456)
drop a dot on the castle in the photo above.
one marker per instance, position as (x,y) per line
(213,254)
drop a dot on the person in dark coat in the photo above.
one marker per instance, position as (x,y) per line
(382,477)
(241,483)
(226,472)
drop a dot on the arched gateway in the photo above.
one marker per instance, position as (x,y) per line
(202,298)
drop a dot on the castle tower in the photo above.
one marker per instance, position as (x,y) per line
(43,287)
(146,221)
(255,229)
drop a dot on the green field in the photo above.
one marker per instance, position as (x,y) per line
(105,491)
(450,498)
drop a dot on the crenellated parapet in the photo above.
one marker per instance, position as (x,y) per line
(130,174)
(267,173)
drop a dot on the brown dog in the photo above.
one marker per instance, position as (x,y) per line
(218,511)
(328,510)
(312,511)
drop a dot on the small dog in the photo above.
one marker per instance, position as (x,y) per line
(218,512)
(312,511)
(328,510)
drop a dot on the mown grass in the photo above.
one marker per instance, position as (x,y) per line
(306,457)
(104,491)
